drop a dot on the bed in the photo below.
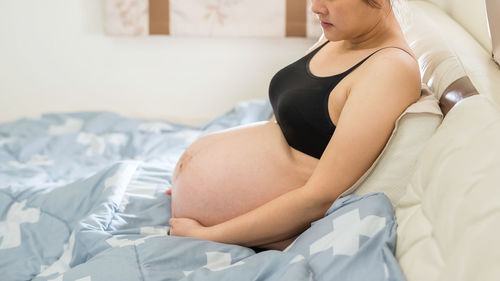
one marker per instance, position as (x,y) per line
(83,198)
(82,194)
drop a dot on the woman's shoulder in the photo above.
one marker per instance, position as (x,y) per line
(395,68)
(396,57)
(400,48)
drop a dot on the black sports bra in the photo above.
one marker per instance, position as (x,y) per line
(300,104)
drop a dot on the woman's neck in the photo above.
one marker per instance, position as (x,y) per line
(385,30)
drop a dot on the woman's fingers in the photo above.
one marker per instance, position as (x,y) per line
(185,227)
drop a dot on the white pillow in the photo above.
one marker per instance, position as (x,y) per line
(392,169)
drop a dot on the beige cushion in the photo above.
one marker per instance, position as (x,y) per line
(429,23)
(470,14)
(391,170)
(449,219)
(439,66)
(493,10)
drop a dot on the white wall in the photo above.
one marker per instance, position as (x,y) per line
(54,57)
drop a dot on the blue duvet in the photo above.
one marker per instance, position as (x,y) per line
(82,197)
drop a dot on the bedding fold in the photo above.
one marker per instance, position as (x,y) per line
(82,197)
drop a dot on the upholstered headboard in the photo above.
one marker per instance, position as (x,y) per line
(470,14)
(450,208)
(493,10)
(454,48)
(480,18)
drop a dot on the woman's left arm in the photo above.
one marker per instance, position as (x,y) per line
(364,126)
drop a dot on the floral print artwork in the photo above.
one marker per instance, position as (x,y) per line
(222,18)
(126,17)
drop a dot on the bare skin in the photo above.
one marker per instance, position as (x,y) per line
(247,186)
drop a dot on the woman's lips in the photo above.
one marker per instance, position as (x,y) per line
(325,24)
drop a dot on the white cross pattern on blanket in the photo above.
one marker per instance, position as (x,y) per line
(153,231)
(72,125)
(36,160)
(121,178)
(346,231)
(217,261)
(155,127)
(62,264)
(97,144)
(10,229)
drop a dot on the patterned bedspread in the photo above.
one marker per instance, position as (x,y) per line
(82,197)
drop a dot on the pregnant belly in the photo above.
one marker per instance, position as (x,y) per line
(228,173)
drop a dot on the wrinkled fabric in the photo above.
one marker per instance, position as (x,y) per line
(82,197)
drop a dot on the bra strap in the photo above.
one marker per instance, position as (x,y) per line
(363,60)
(386,48)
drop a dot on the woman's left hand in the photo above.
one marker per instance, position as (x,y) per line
(187,228)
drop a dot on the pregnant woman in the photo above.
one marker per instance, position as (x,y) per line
(263,184)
